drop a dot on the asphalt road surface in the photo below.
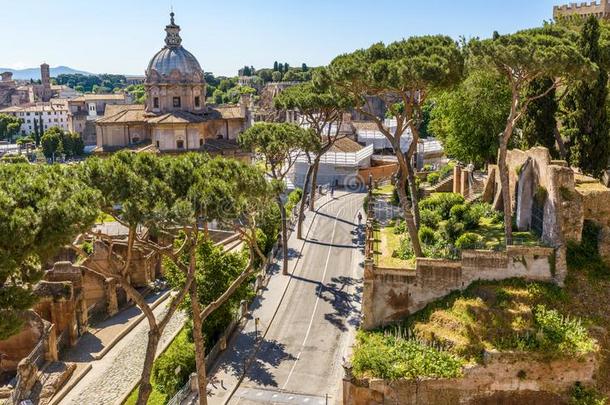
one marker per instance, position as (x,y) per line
(310,336)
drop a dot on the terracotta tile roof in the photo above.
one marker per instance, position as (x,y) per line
(228,111)
(345,145)
(101,97)
(365,125)
(176,117)
(128,113)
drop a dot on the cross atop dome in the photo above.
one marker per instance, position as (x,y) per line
(172,39)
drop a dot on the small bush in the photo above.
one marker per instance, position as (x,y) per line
(559,334)
(400,227)
(584,256)
(426,235)
(434,178)
(430,218)
(405,250)
(88,247)
(293,199)
(581,395)
(458,212)
(442,203)
(467,241)
(181,352)
(14,159)
(451,229)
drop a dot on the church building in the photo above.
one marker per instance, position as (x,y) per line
(175,117)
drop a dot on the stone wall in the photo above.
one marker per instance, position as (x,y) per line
(392,294)
(506,378)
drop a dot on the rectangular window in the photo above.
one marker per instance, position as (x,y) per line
(156,102)
(157,144)
(197,102)
(180,144)
(176,102)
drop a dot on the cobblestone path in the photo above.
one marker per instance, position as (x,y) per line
(114,375)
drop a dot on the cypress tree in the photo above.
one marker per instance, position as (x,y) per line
(586,122)
(539,121)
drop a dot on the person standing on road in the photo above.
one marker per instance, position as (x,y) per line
(359,218)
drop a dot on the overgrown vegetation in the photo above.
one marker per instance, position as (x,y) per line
(450,224)
(512,315)
(584,256)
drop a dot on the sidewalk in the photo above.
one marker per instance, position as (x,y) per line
(227,372)
(100,339)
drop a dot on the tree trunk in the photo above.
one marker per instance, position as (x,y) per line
(284,236)
(303,201)
(404,202)
(314,184)
(414,193)
(199,344)
(505,184)
(560,144)
(151,350)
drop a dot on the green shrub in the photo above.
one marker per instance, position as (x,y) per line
(180,353)
(428,167)
(390,356)
(584,256)
(395,199)
(405,250)
(442,203)
(581,395)
(14,159)
(458,212)
(467,241)
(559,334)
(400,227)
(293,199)
(445,170)
(433,178)
(451,230)
(426,235)
(88,247)
(430,218)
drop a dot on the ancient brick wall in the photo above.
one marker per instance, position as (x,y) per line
(516,377)
(392,294)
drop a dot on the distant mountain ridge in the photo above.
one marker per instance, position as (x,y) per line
(34,73)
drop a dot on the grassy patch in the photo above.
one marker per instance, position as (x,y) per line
(156,398)
(387,247)
(390,356)
(492,234)
(507,315)
(387,189)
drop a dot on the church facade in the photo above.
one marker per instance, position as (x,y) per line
(175,117)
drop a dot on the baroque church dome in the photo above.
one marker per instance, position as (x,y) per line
(173,63)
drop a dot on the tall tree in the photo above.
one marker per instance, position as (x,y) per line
(468,118)
(585,122)
(522,58)
(402,75)
(539,124)
(158,199)
(42,208)
(279,144)
(9,126)
(321,111)
(230,193)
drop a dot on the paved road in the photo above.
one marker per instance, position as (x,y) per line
(113,375)
(300,358)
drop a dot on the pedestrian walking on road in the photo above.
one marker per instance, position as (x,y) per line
(332,192)
(359,218)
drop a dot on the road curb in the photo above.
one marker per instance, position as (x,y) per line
(67,388)
(131,327)
(124,397)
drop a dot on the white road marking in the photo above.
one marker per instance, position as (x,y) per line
(315,308)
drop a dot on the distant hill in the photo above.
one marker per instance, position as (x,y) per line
(34,73)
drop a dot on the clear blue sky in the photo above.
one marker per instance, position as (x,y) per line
(120,36)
